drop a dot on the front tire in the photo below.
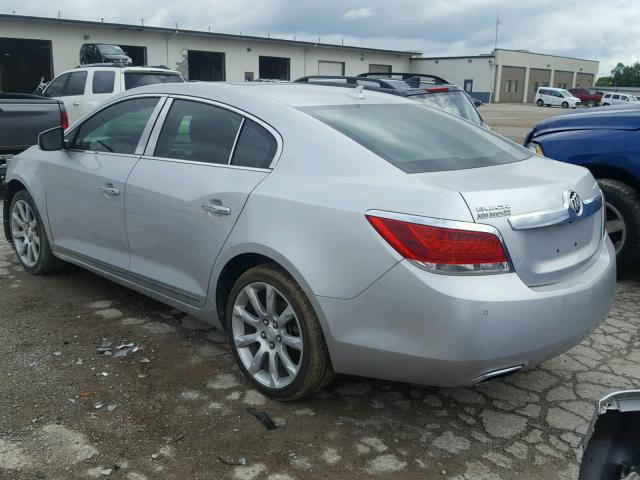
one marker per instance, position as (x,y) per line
(275,335)
(29,237)
(565,104)
(540,103)
(623,223)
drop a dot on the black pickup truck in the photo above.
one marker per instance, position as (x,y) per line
(22,118)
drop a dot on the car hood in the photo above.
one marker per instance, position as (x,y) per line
(625,117)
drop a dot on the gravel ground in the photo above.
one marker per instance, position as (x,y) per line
(178,407)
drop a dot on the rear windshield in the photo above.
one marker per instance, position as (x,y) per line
(455,102)
(419,139)
(140,79)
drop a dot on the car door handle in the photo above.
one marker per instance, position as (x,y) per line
(216,208)
(109,190)
(76,104)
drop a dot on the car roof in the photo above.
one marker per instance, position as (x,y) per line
(123,68)
(290,94)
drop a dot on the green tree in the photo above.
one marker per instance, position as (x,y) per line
(604,82)
(626,75)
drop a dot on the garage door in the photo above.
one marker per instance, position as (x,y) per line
(538,77)
(22,63)
(330,68)
(584,80)
(512,84)
(563,79)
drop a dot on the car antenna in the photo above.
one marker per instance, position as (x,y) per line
(357,92)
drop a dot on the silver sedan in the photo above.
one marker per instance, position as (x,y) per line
(326,230)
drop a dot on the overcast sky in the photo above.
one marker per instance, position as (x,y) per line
(605,31)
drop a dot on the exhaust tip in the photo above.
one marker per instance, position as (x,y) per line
(494,374)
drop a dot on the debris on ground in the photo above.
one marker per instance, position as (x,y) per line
(155,456)
(263,417)
(233,461)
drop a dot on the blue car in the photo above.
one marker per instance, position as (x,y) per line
(607,142)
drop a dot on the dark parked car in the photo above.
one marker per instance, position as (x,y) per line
(102,53)
(22,118)
(606,141)
(447,97)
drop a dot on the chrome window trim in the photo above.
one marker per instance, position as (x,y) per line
(156,132)
(556,216)
(206,164)
(235,141)
(452,224)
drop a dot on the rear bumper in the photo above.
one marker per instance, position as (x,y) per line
(418,327)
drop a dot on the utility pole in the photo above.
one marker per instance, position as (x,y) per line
(495,45)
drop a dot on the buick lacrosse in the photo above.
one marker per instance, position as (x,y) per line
(326,231)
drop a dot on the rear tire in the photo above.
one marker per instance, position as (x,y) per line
(605,104)
(591,104)
(29,237)
(540,103)
(565,104)
(282,371)
(623,201)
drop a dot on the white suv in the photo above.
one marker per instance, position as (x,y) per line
(84,88)
(556,96)
(614,98)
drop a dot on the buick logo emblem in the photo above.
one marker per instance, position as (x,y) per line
(575,203)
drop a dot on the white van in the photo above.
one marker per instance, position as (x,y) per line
(85,87)
(615,98)
(556,97)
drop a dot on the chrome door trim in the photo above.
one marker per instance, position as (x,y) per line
(235,141)
(149,126)
(157,128)
(556,216)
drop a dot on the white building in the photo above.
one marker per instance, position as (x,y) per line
(510,75)
(34,47)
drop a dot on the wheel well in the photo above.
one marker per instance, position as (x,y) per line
(230,273)
(614,173)
(13,187)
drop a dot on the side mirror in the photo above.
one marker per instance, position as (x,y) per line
(477,102)
(611,447)
(52,139)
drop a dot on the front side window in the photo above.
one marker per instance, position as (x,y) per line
(198,132)
(56,87)
(75,85)
(103,81)
(616,97)
(419,139)
(116,129)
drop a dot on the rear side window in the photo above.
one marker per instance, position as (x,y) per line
(616,97)
(454,102)
(140,79)
(198,132)
(255,147)
(116,129)
(56,87)
(75,85)
(103,81)
(417,139)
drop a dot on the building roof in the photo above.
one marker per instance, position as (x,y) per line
(226,36)
(492,55)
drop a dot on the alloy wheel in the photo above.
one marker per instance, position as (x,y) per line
(25,233)
(267,335)
(615,226)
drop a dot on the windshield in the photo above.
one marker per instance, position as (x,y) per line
(455,102)
(565,93)
(418,139)
(140,79)
(111,50)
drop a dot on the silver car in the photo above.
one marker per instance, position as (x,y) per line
(326,231)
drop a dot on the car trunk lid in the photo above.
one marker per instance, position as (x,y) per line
(527,202)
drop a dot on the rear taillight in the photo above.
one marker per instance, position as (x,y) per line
(444,250)
(64,117)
